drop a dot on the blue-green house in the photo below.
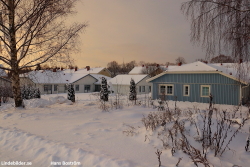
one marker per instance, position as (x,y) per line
(195,82)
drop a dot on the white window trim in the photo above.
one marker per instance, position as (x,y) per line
(160,88)
(209,90)
(167,89)
(166,85)
(184,86)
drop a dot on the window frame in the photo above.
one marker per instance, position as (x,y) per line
(209,90)
(166,89)
(160,88)
(184,90)
(172,89)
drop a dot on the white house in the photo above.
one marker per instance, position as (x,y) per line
(121,84)
(51,82)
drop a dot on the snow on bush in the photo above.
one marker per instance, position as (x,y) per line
(41,103)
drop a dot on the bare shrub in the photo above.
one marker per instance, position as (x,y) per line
(130,131)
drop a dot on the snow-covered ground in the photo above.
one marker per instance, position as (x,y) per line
(52,130)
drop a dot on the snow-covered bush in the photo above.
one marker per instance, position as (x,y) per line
(29,92)
(71,93)
(104,95)
(132,91)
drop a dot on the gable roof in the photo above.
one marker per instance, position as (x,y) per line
(85,71)
(125,79)
(59,77)
(230,70)
(99,78)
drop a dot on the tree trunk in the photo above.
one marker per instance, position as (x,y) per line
(13,50)
(16,88)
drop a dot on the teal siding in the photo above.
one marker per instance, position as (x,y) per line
(224,90)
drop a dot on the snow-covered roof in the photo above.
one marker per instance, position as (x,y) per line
(2,72)
(231,70)
(125,79)
(140,69)
(85,71)
(98,77)
(59,77)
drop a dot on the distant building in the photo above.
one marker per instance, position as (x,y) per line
(55,81)
(120,84)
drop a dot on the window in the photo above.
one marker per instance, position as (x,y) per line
(205,90)
(149,88)
(97,88)
(170,90)
(55,87)
(142,88)
(162,89)
(139,88)
(186,90)
(47,89)
(166,89)
(86,88)
(77,87)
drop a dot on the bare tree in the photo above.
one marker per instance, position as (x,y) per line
(114,68)
(180,60)
(220,26)
(34,32)
(222,59)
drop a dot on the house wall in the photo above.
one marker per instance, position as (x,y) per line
(223,89)
(105,72)
(88,80)
(124,89)
(24,81)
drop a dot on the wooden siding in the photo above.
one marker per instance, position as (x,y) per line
(223,89)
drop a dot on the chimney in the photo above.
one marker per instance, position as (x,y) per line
(143,65)
(221,64)
(88,68)
(230,73)
(54,69)
(157,65)
(75,68)
(179,64)
(61,68)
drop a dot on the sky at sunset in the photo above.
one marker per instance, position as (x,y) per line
(140,30)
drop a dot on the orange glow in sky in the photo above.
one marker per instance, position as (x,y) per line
(140,30)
